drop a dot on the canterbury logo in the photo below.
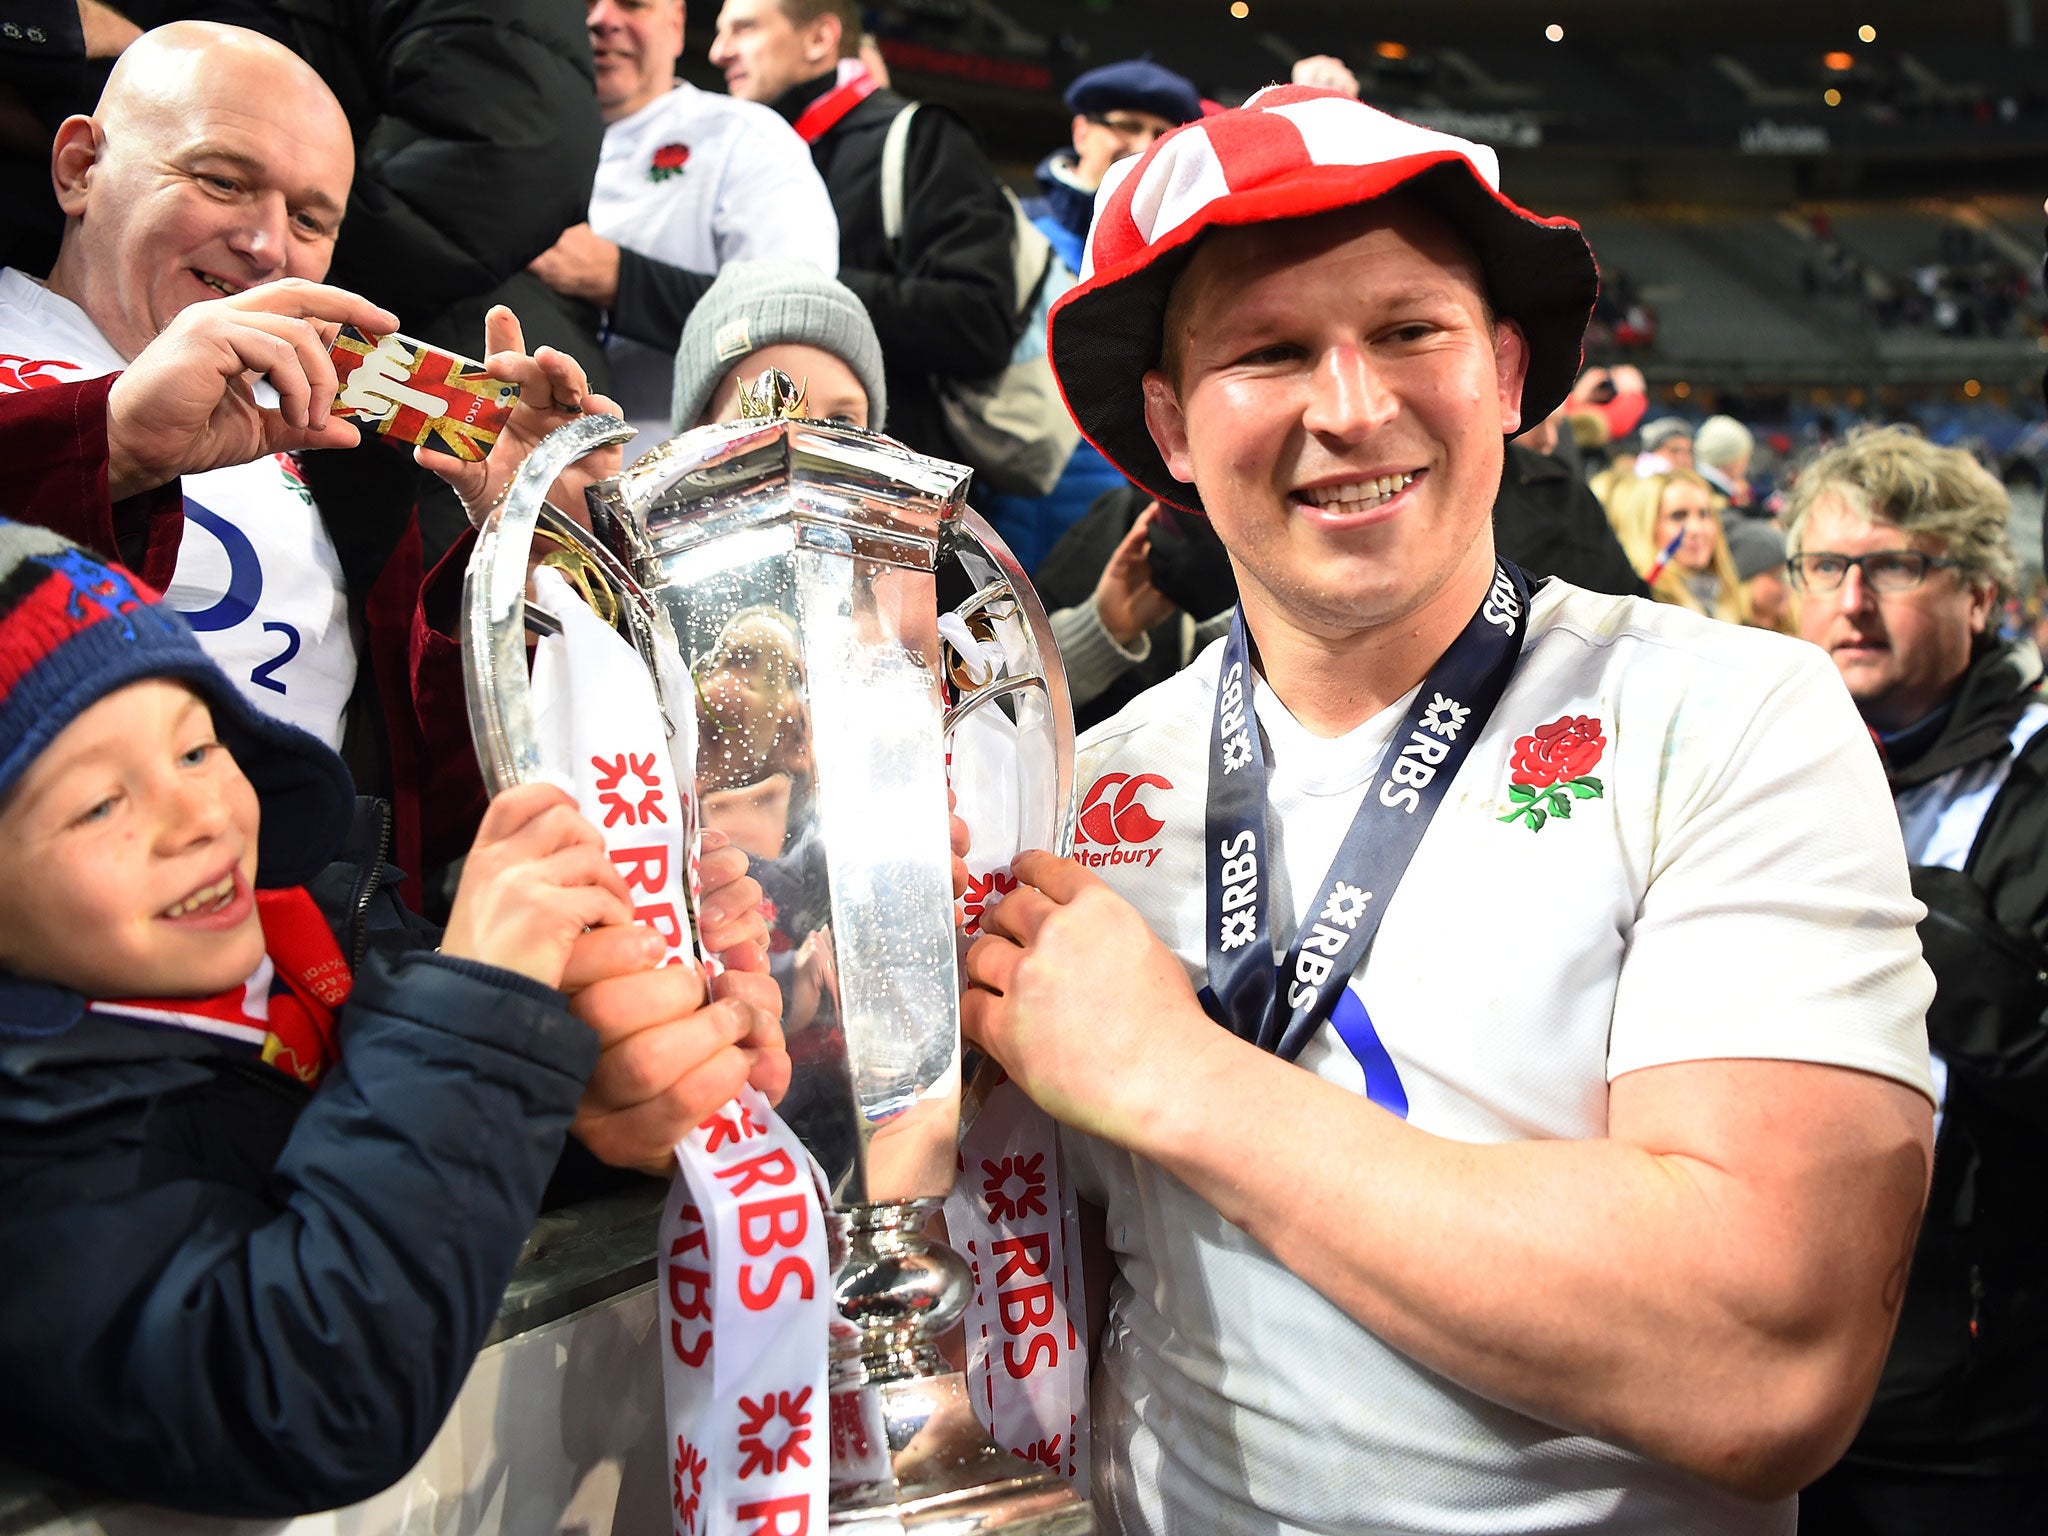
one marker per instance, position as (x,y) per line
(1116,820)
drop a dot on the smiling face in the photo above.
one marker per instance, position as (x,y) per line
(1901,653)
(635,44)
(1337,392)
(1687,514)
(215,161)
(128,854)
(763,53)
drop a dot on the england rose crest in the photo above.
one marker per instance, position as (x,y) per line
(1552,767)
(669,160)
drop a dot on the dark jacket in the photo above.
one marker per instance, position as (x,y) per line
(228,1294)
(945,302)
(1548,521)
(1965,1389)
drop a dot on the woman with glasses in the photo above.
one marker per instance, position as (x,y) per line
(1672,535)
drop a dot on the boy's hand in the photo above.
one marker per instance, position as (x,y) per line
(668,1057)
(536,877)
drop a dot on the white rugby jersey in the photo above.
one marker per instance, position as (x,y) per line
(1726,880)
(696,180)
(257,576)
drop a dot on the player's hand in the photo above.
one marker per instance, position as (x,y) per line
(536,877)
(581,264)
(668,1054)
(553,389)
(1126,599)
(1070,990)
(186,403)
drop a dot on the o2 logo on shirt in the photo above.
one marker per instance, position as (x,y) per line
(237,605)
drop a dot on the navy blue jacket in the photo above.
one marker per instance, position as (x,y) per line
(229,1294)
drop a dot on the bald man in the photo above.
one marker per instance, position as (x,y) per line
(215,163)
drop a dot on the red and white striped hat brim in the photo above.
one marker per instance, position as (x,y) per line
(1292,152)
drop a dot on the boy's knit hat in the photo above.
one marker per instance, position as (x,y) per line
(756,303)
(74,629)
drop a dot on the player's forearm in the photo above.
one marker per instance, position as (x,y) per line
(1652,1300)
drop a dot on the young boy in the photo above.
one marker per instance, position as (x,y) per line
(266,1156)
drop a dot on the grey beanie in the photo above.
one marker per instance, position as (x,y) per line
(760,303)
(1662,430)
(1755,545)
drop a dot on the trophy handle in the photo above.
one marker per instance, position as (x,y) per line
(496,615)
(1004,609)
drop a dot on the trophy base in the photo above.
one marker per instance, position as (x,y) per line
(943,1475)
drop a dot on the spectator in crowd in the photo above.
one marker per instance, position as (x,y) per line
(476,136)
(1674,1220)
(1119,110)
(944,297)
(778,313)
(1670,438)
(687,182)
(1619,396)
(1672,534)
(1757,549)
(1901,552)
(1721,450)
(1135,591)
(216,163)
(233,1284)
(1548,521)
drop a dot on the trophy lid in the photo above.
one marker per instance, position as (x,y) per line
(776,465)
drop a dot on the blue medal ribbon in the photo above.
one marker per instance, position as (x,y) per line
(1281,1010)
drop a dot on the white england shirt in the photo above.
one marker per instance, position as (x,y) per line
(257,577)
(696,180)
(1727,881)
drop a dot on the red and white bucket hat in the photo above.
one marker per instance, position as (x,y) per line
(1290,153)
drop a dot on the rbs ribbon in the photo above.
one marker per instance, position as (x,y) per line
(745,1285)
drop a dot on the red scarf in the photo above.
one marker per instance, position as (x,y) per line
(855,86)
(285,1011)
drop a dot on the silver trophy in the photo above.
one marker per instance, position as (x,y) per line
(843,614)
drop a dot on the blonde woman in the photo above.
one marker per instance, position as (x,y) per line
(1675,511)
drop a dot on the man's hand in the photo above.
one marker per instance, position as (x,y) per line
(735,929)
(1325,72)
(582,265)
(668,1055)
(552,390)
(536,877)
(185,405)
(1065,979)
(1126,600)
